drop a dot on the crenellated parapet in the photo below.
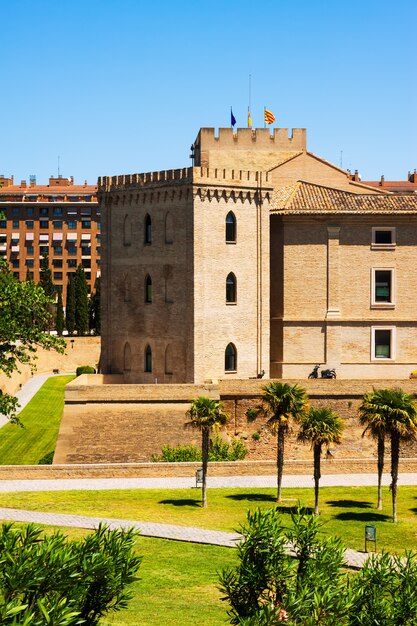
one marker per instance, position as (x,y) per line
(128,182)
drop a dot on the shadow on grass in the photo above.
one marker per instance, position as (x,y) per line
(253,497)
(182,502)
(350,504)
(295,509)
(414,511)
(362,517)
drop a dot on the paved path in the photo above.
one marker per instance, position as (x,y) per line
(147,529)
(256,482)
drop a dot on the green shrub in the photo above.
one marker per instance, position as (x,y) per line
(256,436)
(252,414)
(52,580)
(219,450)
(47,459)
(85,369)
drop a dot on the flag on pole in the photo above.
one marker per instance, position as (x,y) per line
(269,117)
(232,118)
(249,120)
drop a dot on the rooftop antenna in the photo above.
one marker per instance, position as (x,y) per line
(341,159)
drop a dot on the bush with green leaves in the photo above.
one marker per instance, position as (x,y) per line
(309,587)
(85,369)
(219,450)
(48,579)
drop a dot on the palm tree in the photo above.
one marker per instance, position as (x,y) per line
(207,415)
(282,402)
(399,411)
(320,427)
(371,416)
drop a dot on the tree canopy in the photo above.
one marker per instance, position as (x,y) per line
(23,316)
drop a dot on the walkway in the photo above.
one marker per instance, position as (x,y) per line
(190,534)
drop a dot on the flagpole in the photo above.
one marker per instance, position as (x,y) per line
(249,104)
(264,117)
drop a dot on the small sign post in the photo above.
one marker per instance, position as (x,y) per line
(370,535)
(199,476)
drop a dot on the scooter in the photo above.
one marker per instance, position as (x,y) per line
(329,373)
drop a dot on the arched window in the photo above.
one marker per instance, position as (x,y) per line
(231,288)
(148,289)
(148,359)
(148,229)
(230,358)
(230,227)
(127,231)
(126,288)
(168,360)
(127,357)
(169,228)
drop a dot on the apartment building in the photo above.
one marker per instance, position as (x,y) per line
(60,219)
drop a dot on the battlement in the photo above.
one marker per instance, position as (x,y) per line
(134,181)
(188,175)
(247,148)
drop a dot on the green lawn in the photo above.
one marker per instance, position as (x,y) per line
(345,510)
(41,419)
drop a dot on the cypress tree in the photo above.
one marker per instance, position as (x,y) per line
(59,321)
(70,305)
(81,302)
(46,277)
(48,287)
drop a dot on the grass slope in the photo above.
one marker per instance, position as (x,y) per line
(345,511)
(41,419)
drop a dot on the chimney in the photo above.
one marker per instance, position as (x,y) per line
(382,180)
(23,184)
(71,180)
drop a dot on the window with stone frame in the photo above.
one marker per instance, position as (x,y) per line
(230,358)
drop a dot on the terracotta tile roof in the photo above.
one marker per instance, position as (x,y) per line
(393,185)
(303,197)
(71,190)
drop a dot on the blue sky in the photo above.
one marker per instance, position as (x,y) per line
(123,87)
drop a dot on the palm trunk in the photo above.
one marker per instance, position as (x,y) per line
(280,458)
(317,476)
(204,454)
(395,455)
(381,455)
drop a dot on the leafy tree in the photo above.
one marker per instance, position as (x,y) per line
(377,427)
(51,580)
(206,415)
(24,315)
(320,427)
(81,302)
(70,305)
(59,320)
(398,411)
(95,309)
(282,402)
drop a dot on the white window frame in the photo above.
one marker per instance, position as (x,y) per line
(383,246)
(393,344)
(382,305)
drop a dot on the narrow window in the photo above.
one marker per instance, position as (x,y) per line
(169,228)
(383,343)
(127,358)
(383,288)
(127,289)
(127,231)
(230,227)
(230,358)
(148,289)
(148,229)
(231,288)
(168,360)
(148,359)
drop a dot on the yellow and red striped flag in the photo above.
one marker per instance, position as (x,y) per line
(249,120)
(269,117)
